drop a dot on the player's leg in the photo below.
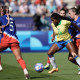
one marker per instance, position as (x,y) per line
(71,59)
(48,64)
(54,48)
(0,64)
(79,56)
(2,48)
(73,52)
(17,53)
(77,45)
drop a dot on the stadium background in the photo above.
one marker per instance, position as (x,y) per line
(32,41)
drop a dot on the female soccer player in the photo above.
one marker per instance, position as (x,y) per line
(10,39)
(62,13)
(73,13)
(60,28)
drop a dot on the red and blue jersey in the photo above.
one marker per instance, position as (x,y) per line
(10,30)
(78,24)
(74,32)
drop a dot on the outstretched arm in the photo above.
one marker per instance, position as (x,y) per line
(73,24)
(53,37)
(6,24)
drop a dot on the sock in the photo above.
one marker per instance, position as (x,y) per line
(77,60)
(48,64)
(22,63)
(52,61)
(0,59)
(48,61)
(25,71)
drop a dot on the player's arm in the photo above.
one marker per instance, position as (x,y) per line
(53,37)
(73,24)
(6,24)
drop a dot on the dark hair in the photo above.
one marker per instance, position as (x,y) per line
(76,9)
(4,9)
(63,10)
(57,16)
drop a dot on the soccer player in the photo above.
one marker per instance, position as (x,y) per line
(73,13)
(60,26)
(62,13)
(9,39)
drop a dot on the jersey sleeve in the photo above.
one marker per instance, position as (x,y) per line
(68,23)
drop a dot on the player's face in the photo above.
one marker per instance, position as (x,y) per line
(1,11)
(55,21)
(62,13)
(7,9)
(71,14)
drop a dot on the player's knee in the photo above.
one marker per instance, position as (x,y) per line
(49,53)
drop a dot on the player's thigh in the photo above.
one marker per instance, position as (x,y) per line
(3,46)
(71,48)
(16,50)
(54,48)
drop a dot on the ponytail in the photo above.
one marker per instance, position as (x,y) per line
(76,9)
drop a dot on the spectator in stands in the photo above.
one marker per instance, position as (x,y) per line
(52,7)
(77,2)
(41,8)
(32,7)
(11,3)
(59,5)
(23,8)
(40,2)
(44,26)
(15,7)
(41,23)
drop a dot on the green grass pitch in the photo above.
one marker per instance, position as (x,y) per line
(13,71)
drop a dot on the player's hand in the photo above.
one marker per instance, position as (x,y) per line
(52,39)
(52,35)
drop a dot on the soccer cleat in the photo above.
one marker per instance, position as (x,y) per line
(1,68)
(53,70)
(47,67)
(27,76)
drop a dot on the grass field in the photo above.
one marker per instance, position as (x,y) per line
(13,71)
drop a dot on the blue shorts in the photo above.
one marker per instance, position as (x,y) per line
(62,44)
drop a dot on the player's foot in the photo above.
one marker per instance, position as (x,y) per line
(53,70)
(47,67)
(1,68)
(27,76)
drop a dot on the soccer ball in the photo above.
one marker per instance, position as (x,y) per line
(39,67)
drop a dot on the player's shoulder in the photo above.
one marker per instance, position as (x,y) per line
(65,21)
(52,24)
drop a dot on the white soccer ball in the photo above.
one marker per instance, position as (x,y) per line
(39,67)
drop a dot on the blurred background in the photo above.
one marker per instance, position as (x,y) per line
(33,23)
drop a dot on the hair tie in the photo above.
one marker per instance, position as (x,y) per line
(76,7)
